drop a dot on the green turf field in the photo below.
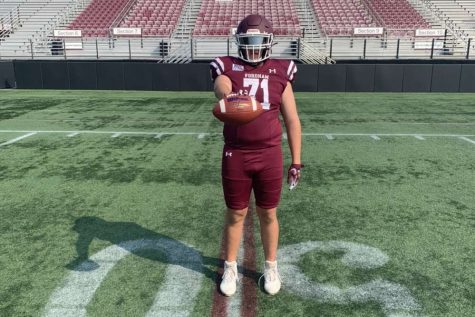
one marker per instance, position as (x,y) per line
(383,223)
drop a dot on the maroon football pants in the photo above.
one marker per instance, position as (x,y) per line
(245,170)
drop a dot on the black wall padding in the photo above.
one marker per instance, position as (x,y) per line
(467,78)
(138,76)
(306,78)
(388,78)
(148,75)
(110,75)
(194,77)
(28,74)
(332,77)
(82,75)
(360,78)
(55,75)
(7,75)
(165,77)
(417,78)
(446,78)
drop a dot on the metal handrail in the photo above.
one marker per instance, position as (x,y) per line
(373,13)
(10,22)
(186,50)
(122,14)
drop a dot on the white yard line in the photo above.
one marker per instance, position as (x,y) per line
(467,139)
(73,134)
(18,139)
(419,137)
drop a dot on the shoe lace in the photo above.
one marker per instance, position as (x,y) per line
(229,274)
(270,275)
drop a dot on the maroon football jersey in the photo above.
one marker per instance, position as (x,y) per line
(266,83)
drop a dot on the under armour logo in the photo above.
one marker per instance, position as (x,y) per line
(272,71)
(229,154)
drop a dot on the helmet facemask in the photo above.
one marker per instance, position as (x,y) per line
(254,46)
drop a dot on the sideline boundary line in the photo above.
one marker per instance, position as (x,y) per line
(203,134)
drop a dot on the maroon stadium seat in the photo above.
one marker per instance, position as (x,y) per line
(216,18)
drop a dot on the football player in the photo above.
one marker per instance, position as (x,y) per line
(252,154)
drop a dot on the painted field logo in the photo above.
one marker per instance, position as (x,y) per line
(173,299)
(394,299)
(184,274)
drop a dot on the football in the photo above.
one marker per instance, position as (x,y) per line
(238,109)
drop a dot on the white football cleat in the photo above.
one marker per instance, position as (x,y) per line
(230,278)
(272,281)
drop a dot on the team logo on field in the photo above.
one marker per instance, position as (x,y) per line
(238,68)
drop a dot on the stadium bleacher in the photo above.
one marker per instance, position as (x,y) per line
(154,17)
(339,17)
(217,18)
(28,29)
(98,17)
(30,22)
(398,17)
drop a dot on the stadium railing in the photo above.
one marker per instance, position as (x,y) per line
(168,50)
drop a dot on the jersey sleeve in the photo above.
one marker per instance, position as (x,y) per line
(217,67)
(291,70)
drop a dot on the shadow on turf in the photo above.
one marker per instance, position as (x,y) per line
(90,228)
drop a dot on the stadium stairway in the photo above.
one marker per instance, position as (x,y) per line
(307,20)
(312,44)
(7,5)
(181,51)
(187,20)
(456,38)
(461,13)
